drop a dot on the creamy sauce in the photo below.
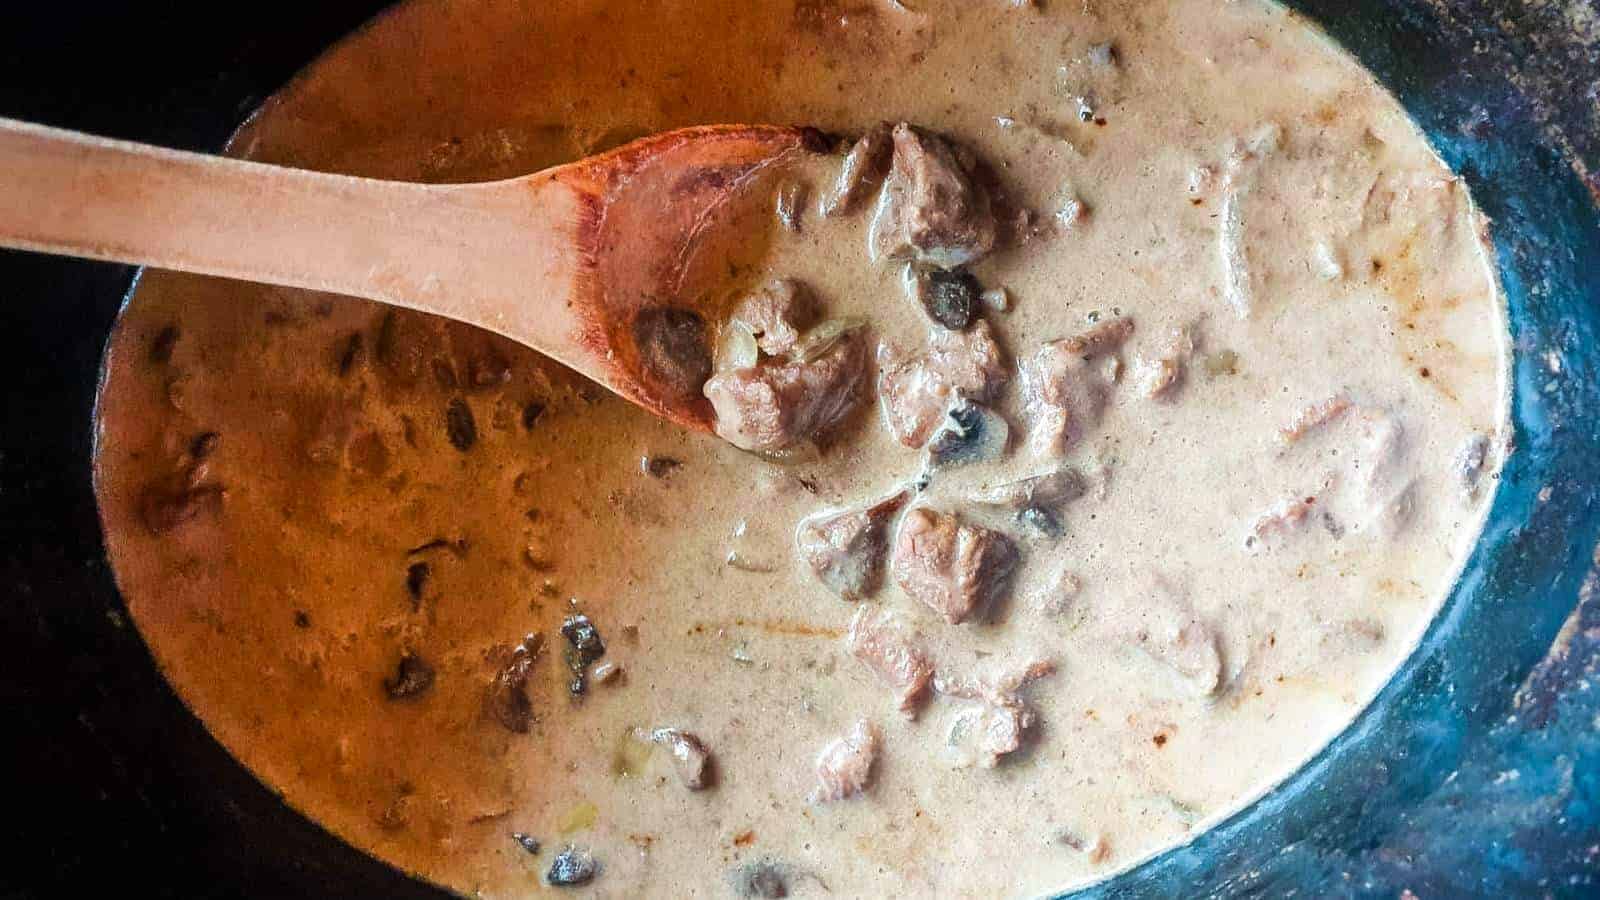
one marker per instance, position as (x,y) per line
(382,484)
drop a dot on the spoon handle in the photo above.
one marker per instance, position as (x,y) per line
(590,263)
(470,252)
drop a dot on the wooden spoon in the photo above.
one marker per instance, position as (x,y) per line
(587,262)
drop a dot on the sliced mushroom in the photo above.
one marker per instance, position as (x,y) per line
(971,433)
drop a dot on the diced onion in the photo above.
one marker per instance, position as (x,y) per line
(823,338)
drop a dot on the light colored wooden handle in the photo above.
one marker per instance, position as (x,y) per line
(410,244)
(586,262)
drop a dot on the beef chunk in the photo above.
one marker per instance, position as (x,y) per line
(1001,732)
(776,314)
(893,653)
(862,172)
(999,726)
(690,758)
(932,211)
(775,405)
(1063,393)
(846,548)
(987,734)
(953,568)
(844,767)
(917,391)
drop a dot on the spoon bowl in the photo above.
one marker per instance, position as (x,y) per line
(652,205)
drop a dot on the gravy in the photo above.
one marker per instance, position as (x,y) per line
(337,524)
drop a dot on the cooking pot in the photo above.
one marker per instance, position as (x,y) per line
(1476,772)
